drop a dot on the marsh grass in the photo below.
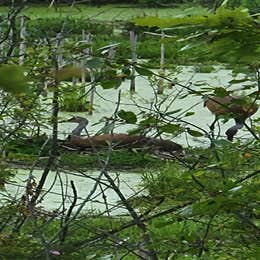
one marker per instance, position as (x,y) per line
(107,12)
(22,153)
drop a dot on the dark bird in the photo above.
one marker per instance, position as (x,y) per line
(76,140)
(234,107)
(82,124)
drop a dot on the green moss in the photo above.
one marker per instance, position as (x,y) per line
(26,151)
(118,159)
(107,12)
(21,157)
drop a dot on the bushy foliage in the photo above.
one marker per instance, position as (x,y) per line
(39,28)
(221,200)
(252,5)
(222,33)
(203,205)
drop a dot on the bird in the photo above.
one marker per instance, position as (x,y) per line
(82,124)
(118,140)
(236,107)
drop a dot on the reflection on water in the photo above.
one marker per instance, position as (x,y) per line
(91,187)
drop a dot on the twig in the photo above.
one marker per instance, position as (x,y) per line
(67,218)
(253,174)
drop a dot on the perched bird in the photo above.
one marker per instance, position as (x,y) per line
(229,106)
(82,123)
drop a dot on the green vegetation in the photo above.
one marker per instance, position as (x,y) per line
(202,212)
(106,13)
(118,159)
(25,152)
(110,12)
(202,205)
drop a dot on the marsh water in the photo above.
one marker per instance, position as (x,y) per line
(93,190)
(144,100)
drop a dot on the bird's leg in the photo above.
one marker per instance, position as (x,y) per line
(212,126)
(239,124)
(233,130)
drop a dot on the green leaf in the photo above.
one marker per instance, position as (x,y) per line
(194,133)
(143,71)
(68,73)
(163,224)
(236,81)
(135,131)
(149,21)
(95,63)
(128,116)
(106,48)
(189,114)
(148,122)
(170,128)
(248,86)
(173,112)
(12,79)
(221,92)
(207,207)
(112,83)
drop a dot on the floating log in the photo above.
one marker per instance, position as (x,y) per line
(121,141)
(76,141)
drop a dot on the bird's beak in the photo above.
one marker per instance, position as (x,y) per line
(64,121)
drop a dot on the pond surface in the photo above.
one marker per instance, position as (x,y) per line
(58,193)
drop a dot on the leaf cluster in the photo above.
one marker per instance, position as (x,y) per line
(221,198)
(231,36)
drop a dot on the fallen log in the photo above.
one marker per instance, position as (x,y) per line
(76,141)
(120,141)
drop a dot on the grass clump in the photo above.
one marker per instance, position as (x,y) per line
(118,159)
